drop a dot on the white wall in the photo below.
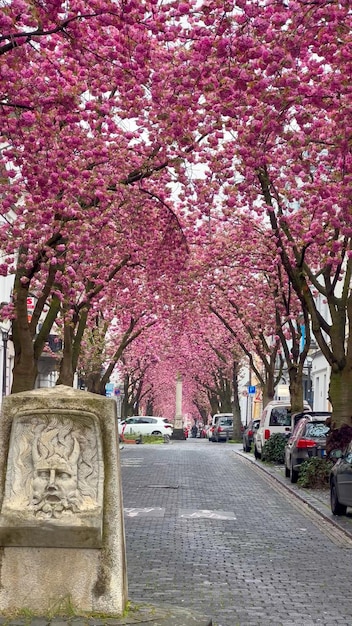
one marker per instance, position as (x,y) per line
(6,284)
(320,383)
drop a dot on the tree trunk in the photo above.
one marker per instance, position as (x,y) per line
(225,401)
(214,403)
(25,368)
(203,413)
(268,394)
(340,395)
(149,408)
(128,399)
(66,370)
(27,340)
(95,384)
(236,409)
(330,336)
(296,389)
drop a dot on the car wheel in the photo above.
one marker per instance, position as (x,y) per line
(257,454)
(156,433)
(248,449)
(336,507)
(293,475)
(287,472)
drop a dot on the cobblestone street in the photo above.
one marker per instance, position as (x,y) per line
(205,529)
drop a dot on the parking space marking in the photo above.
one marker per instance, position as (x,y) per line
(146,512)
(125,462)
(161,486)
(207,514)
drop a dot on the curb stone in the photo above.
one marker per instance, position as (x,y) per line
(314,499)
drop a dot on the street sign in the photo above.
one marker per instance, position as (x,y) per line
(258,396)
(109,389)
(30,307)
(30,304)
(251,389)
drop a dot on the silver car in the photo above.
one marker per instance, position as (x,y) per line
(223,429)
(341,481)
(214,421)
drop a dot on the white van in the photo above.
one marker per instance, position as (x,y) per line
(214,421)
(275,418)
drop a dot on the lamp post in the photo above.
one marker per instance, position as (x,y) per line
(5,337)
(249,395)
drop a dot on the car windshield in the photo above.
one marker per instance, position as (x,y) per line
(317,429)
(281,416)
(225,421)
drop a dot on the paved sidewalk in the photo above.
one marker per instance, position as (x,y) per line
(316,499)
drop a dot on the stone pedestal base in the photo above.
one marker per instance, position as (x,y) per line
(70,551)
(178,434)
(141,614)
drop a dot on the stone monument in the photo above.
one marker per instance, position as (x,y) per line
(61,513)
(178,424)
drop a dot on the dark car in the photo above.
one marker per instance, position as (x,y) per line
(248,433)
(319,415)
(223,430)
(341,481)
(308,440)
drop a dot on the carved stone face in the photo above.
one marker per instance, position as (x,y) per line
(55,477)
(55,471)
(53,484)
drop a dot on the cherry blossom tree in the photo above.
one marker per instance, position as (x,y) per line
(278,87)
(191,343)
(160,115)
(75,145)
(258,308)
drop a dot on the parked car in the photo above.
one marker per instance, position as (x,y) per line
(275,418)
(312,414)
(341,481)
(145,425)
(248,433)
(214,421)
(308,440)
(223,429)
(203,432)
(210,433)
